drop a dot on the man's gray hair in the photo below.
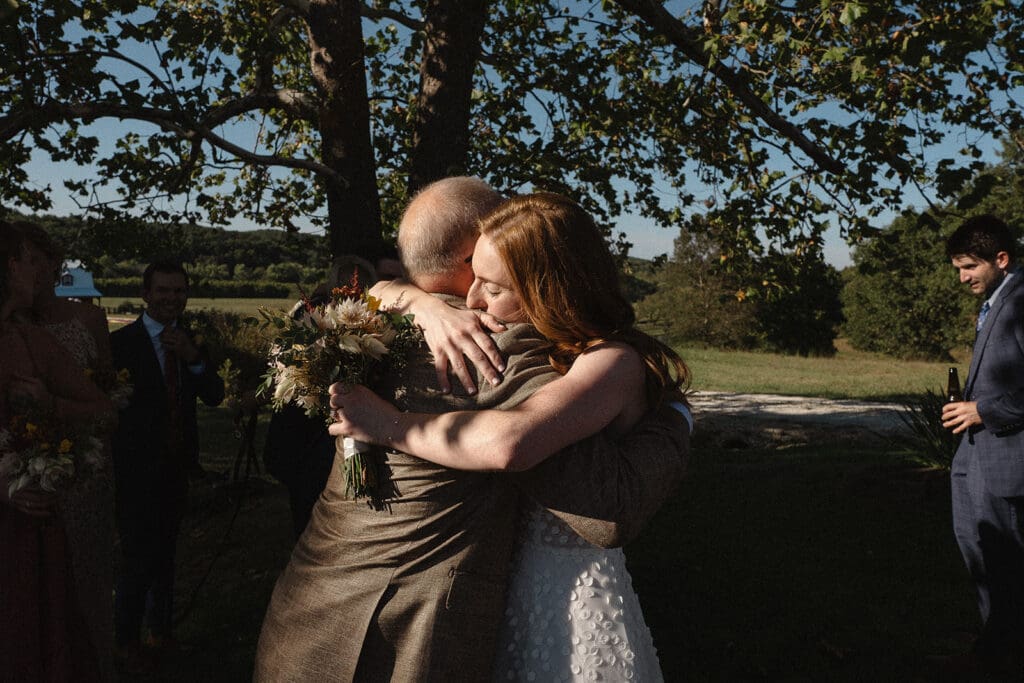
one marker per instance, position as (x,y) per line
(442,217)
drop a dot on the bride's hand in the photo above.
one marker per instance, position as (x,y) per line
(455,334)
(31,502)
(361,414)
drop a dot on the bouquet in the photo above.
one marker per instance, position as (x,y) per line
(348,338)
(38,450)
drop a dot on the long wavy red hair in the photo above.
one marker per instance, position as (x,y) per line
(561,269)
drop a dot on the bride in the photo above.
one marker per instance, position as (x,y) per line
(572,612)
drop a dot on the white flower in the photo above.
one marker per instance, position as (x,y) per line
(309,402)
(319,320)
(5,438)
(350,343)
(285,385)
(372,346)
(37,465)
(351,313)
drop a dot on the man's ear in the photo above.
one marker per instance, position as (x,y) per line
(1002,261)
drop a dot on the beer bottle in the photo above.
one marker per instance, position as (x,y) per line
(953,393)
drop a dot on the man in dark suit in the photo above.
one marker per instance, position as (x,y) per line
(155,444)
(988,470)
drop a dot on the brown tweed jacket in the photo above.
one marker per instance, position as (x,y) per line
(416,592)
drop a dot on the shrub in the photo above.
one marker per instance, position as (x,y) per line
(934,444)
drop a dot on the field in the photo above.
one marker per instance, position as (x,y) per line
(819,562)
(244,306)
(848,374)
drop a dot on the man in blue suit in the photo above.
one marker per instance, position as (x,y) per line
(988,470)
(156,442)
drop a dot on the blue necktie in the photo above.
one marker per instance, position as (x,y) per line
(981,316)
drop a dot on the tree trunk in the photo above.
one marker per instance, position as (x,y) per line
(336,58)
(451,49)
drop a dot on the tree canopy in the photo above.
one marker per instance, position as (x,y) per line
(774,117)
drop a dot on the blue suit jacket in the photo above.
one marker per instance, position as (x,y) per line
(996,381)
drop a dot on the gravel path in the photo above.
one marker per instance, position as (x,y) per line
(740,420)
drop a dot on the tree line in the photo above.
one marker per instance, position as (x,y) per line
(121,249)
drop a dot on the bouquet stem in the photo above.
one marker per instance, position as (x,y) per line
(360,468)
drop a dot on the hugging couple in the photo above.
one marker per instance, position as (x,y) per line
(497,555)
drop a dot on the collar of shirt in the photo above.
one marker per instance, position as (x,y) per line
(991,301)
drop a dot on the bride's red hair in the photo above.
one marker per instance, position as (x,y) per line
(561,269)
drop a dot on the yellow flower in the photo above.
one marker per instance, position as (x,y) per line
(30,428)
(65,446)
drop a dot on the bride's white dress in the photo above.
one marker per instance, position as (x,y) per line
(572,613)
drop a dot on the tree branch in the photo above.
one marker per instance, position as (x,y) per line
(397,17)
(53,112)
(689,43)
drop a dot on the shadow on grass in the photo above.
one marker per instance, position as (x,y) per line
(810,563)
(801,564)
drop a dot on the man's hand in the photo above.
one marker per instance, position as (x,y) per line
(180,344)
(960,416)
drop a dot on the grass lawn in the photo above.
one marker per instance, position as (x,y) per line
(848,374)
(803,564)
(244,306)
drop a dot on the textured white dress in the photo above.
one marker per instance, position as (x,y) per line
(572,613)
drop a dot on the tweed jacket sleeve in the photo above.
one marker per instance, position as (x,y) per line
(606,489)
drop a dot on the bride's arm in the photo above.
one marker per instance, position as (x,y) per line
(451,333)
(602,384)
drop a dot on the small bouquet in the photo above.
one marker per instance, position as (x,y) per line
(350,339)
(116,384)
(37,450)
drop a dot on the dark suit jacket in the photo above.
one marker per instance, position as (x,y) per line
(996,382)
(141,460)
